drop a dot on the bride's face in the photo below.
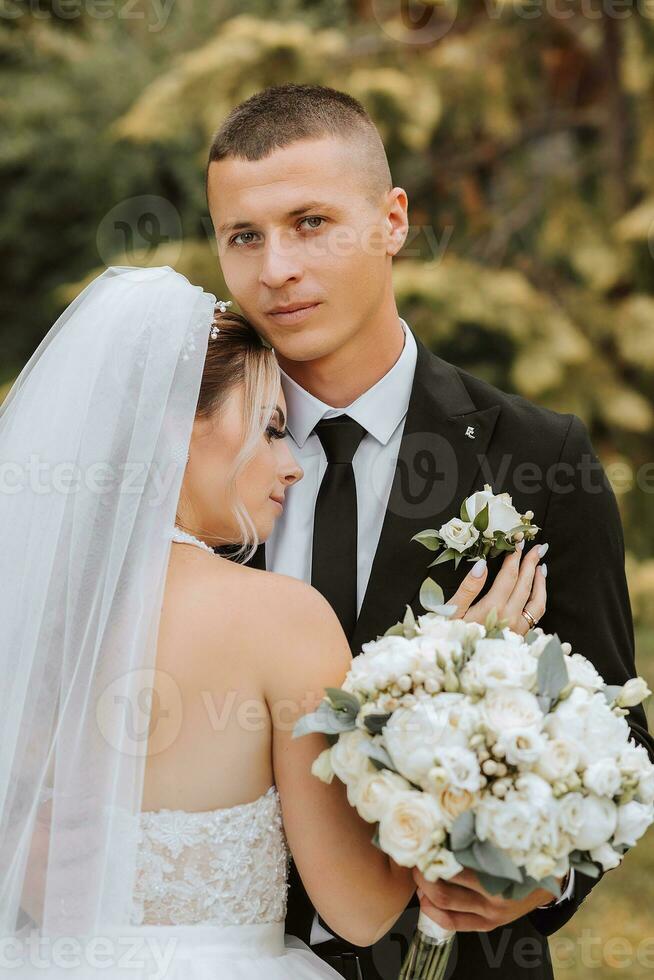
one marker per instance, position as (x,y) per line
(260,486)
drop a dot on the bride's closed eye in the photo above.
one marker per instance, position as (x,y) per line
(272,432)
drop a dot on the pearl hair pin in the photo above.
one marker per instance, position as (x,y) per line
(221,306)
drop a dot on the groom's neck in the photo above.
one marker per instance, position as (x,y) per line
(344,375)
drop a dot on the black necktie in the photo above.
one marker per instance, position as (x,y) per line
(334,562)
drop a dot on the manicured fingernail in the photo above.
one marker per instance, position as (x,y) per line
(520,545)
(542,550)
(479,569)
(543,569)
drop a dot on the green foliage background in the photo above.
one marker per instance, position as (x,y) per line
(524,138)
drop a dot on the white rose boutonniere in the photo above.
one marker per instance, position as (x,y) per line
(487,526)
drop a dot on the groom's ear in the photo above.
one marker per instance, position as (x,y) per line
(397,219)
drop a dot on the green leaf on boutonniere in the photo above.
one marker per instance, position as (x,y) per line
(431,595)
(446,556)
(552,671)
(464,512)
(429,538)
(482,519)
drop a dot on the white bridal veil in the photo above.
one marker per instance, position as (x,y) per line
(93,444)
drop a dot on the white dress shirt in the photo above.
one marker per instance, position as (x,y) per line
(382,412)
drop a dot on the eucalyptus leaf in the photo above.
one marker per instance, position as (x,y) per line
(375,839)
(586,868)
(343,701)
(482,519)
(447,555)
(495,862)
(457,560)
(431,595)
(326,720)
(493,884)
(429,538)
(552,671)
(462,834)
(464,512)
(544,702)
(378,755)
(530,637)
(375,723)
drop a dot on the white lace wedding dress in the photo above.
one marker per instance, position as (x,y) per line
(210,894)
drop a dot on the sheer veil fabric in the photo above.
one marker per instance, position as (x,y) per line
(93,442)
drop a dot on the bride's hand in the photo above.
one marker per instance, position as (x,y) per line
(520,584)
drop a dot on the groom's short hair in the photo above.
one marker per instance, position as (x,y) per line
(284,114)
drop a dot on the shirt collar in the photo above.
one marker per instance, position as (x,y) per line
(379,410)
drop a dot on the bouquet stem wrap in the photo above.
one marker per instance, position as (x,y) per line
(429,952)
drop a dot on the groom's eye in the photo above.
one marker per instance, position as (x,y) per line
(242,234)
(248,237)
(313,217)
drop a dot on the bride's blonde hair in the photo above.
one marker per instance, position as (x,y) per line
(236,357)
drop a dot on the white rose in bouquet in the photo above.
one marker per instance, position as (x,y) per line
(582,673)
(348,756)
(506,708)
(508,823)
(603,777)
(598,821)
(370,795)
(632,822)
(497,663)
(520,746)
(470,747)
(559,760)
(410,825)
(606,856)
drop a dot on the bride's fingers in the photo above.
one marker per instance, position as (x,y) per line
(469,589)
(502,588)
(525,583)
(537,602)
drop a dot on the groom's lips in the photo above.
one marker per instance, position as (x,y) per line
(293,313)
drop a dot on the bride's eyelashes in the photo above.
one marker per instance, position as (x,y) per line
(310,217)
(272,432)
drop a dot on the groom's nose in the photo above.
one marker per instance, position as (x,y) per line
(280,262)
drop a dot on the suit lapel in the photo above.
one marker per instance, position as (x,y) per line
(444,441)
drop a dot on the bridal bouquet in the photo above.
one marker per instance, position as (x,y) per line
(488,525)
(470,746)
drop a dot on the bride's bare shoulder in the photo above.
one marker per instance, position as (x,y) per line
(257,600)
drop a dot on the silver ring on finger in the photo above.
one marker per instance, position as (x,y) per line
(530,619)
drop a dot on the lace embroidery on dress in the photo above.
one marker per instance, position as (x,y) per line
(219,867)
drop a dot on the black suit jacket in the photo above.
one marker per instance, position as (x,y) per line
(459,434)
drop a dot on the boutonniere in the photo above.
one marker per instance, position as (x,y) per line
(488,526)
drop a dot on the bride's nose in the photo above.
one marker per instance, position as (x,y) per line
(290,471)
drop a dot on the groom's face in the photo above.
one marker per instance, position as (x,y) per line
(306,226)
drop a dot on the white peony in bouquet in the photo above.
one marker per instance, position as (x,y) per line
(488,526)
(472,747)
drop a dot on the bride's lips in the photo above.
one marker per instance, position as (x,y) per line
(293,313)
(279,501)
